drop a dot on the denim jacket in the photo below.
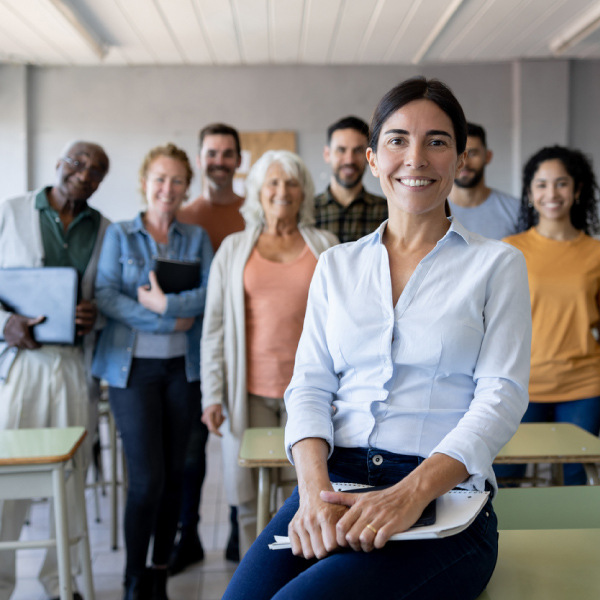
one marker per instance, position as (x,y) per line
(126,259)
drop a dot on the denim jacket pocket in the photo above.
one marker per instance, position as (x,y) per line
(135,270)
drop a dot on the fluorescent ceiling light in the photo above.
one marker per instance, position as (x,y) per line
(88,36)
(438,28)
(577,31)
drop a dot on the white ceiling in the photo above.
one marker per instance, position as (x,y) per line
(272,32)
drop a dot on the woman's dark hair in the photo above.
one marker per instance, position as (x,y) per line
(419,88)
(584,214)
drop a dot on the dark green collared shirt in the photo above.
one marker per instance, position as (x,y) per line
(362,216)
(70,248)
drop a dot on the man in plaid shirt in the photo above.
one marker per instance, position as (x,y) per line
(345,208)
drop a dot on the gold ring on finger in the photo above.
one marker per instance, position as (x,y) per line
(370,527)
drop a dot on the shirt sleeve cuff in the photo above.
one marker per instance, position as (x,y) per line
(298,433)
(472,452)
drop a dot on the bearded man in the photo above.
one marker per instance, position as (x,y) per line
(345,208)
(479,208)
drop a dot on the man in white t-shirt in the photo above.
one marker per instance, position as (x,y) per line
(481,209)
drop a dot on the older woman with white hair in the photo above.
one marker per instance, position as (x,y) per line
(256,300)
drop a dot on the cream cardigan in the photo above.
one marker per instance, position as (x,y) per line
(223,345)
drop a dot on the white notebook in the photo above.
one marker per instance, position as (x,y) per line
(455,511)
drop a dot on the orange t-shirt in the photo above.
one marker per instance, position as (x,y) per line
(564,284)
(275,296)
(219,220)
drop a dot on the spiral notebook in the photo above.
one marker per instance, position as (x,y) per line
(455,511)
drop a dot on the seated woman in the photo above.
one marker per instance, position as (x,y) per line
(255,306)
(559,210)
(411,372)
(149,352)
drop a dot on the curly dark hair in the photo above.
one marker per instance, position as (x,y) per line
(584,215)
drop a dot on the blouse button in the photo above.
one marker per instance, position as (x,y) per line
(377,459)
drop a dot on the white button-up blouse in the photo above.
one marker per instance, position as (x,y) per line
(445,370)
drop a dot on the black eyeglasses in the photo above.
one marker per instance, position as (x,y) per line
(79,166)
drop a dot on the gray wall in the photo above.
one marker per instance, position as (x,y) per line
(128,110)
(13,130)
(584,124)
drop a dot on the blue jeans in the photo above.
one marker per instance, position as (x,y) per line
(153,414)
(584,413)
(456,567)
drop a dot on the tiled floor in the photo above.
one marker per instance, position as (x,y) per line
(206,581)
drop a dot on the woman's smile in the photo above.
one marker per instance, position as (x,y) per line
(414,182)
(280,195)
(416,159)
(552,191)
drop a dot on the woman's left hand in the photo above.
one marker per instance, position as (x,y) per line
(374,516)
(152,297)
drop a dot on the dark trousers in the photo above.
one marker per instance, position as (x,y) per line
(195,470)
(153,414)
(457,567)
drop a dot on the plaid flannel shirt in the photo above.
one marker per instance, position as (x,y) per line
(362,216)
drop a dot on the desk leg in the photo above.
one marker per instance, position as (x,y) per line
(82,526)
(62,533)
(591,472)
(264,499)
(557,474)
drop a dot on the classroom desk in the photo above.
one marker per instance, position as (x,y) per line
(550,564)
(36,463)
(554,443)
(263,448)
(557,507)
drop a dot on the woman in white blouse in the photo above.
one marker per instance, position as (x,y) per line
(411,373)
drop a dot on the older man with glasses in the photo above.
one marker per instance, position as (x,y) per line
(49,385)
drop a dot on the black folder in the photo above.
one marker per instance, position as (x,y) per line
(47,291)
(176,276)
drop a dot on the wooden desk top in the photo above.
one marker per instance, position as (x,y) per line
(546,564)
(263,447)
(550,443)
(533,442)
(39,446)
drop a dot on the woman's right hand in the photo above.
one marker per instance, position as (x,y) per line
(213,418)
(312,531)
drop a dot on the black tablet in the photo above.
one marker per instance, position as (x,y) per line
(175,276)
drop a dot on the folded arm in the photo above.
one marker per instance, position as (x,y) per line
(112,302)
